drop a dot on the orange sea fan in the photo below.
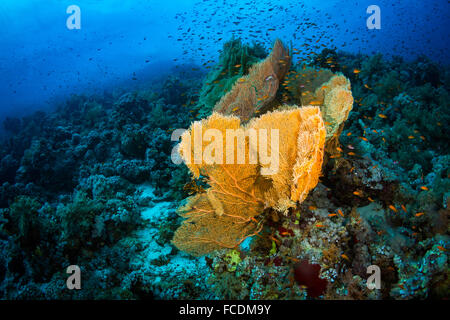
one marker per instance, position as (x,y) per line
(337,103)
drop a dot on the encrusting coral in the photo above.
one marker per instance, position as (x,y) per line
(225,214)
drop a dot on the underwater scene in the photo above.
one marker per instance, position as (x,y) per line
(224,150)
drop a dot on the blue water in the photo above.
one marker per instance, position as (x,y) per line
(130,42)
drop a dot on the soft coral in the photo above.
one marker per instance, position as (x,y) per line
(307,274)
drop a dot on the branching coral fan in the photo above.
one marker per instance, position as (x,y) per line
(225,215)
(332,92)
(302,138)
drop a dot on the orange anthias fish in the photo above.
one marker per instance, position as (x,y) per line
(340,212)
(332,215)
(382,116)
(356,71)
(345,257)
(404,208)
(424,188)
(393,208)
(358,193)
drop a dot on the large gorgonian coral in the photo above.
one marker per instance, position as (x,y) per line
(234,62)
(225,214)
(332,92)
(253,93)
